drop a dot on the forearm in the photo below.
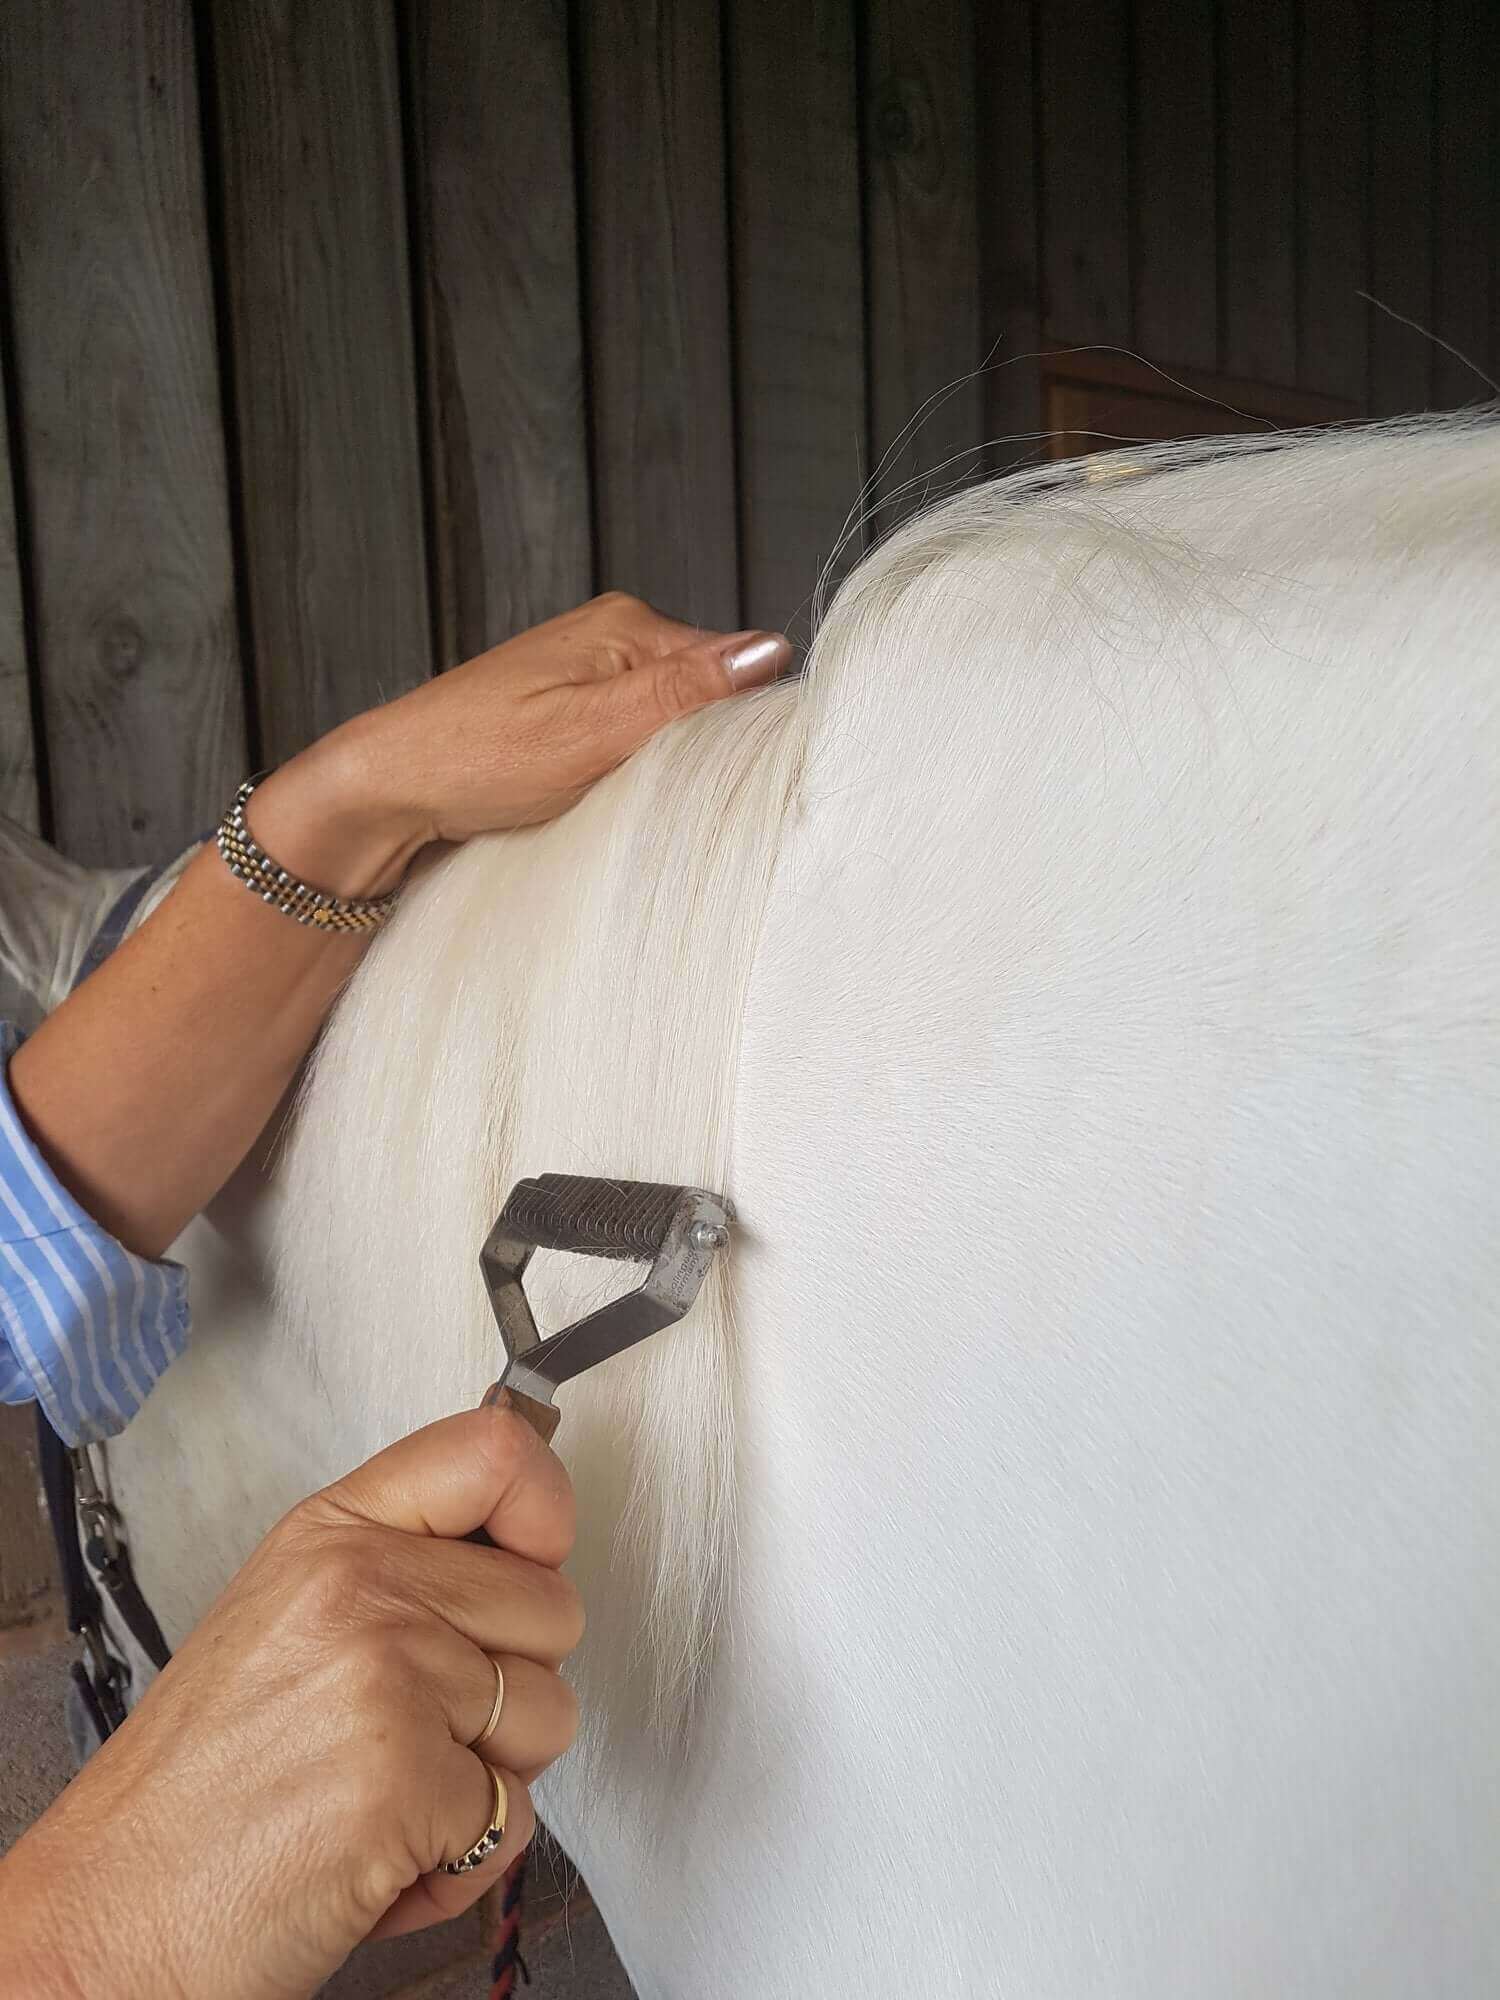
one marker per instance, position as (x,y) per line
(82,1895)
(48,1952)
(148,1086)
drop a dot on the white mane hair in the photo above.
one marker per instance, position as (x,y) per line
(1061,1536)
(566,999)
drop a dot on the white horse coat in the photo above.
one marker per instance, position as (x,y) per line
(1060,1559)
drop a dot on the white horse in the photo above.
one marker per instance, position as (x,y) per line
(1057,1556)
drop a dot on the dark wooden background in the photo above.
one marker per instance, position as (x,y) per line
(343,337)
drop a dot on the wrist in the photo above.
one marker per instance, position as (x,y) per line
(67,1934)
(323,818)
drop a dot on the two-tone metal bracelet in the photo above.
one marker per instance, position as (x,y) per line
(247,860)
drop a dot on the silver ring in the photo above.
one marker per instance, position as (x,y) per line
(495,1708)
(490,1839)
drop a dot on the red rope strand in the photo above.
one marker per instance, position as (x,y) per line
(505,1944)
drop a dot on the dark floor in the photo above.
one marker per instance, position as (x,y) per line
(566,1946)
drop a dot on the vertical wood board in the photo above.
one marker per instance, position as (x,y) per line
(1401,187)
(28,1566)
(799,300)
(504,353)
(1464,259)
(1086,193)
(1259,271)
(923,237)
(658,305)
(315,250)
(1333,330)
(118,394)
(18,787)
(1008,223)
(1174,187)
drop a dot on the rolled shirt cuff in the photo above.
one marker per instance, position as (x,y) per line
(87,1328)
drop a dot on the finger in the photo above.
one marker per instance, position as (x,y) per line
(649,634)
(652,633)
(612,634)
(466,1802)
(538,1718)
(484,1468)
(635,705)
(498,1601)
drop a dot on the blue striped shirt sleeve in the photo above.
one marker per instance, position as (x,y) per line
(86,1327)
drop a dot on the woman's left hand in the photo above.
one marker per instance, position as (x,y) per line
(513,736)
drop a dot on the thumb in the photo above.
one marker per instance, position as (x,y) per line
(639,703)
(483,1468)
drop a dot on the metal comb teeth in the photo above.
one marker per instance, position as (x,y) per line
(594,1218)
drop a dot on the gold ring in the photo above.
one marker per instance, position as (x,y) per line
(495,1707)
(490,1839)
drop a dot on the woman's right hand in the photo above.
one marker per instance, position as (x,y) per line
(291,1782)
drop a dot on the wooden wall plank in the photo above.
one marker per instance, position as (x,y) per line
(658,304)
(1174,183)
(28,1567)
(18,786)
(118,392)
(315,249)
(1010,273)
(923,248)
(1401,157)
(799,299)
(1086,198)
(1463,220)
(504,347)
(1333,321)
(1259,178)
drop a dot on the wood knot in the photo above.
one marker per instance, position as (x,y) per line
(907,133)
(122,647)
(896,125)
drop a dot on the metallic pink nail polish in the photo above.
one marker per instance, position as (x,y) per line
(757,661)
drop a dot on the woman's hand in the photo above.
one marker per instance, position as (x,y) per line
(290,1783)
(509,738)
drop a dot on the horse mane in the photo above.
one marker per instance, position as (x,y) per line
(569,998)
(559,999)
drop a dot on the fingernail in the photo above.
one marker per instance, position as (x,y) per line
(755,661)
